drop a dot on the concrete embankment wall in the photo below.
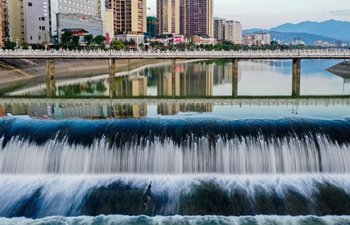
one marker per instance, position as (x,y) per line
(342,69)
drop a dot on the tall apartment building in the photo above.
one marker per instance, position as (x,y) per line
(1,26)
(129,15)
(233,32)
(152,25)
(13,23)
(219,25)
(168,14)
(197,18)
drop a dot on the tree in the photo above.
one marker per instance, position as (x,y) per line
(75,42)
(44,38)
(66,38)
(88,39)
(117,45)
(100,39)
(10,45)
(25,45)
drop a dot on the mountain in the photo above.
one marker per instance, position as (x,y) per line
(254,30)
(330,30)
(339,30)
(309,39)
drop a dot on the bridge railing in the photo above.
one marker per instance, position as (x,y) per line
(249,53)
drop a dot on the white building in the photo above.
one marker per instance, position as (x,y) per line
(233,32)
(43,18)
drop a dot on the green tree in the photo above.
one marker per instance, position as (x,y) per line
(116,45)
(25,45)
(10,45)
(99,40)
(89,40)
(66,38)
(75,42)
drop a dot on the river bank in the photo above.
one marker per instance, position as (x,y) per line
(16,72)
(341,69)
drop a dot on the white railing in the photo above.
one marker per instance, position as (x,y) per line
(338,53)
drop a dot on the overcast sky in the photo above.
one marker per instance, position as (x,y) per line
(271,13)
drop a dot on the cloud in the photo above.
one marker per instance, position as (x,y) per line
(340,13)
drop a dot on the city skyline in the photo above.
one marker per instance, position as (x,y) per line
(263,15)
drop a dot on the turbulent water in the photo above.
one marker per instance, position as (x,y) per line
(209,170)
(183,220)
(178,146)
(42,196)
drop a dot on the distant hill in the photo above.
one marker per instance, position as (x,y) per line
(254,30)
(339,30)
(308,38)
(330,30)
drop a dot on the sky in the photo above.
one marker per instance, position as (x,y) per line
(267,14)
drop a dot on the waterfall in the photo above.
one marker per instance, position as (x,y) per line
(220,146)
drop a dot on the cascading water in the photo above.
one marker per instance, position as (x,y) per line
(197,166)
(163,146)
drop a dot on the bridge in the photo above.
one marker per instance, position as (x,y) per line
(112,57)
(112,54)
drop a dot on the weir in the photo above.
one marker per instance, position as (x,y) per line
(223,165)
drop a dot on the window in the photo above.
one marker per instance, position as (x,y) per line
(30,4)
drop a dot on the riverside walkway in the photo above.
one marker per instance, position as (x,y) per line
(268,54)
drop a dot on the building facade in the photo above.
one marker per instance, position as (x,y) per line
(13,24)
(152,25)
(168,14)
(233,32)
(219,25)
(89,15)
(1,26)
(129,15)
(257,39)
(198,17)
(40,21)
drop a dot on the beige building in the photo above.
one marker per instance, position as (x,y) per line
(233,32)
(198,18)
(110,23)
(14,21)
(129,15)
(168,14)
(1,25)
(257,39)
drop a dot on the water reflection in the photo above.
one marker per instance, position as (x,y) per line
(200,79)
(338,107)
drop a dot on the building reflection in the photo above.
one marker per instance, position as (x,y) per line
(188,80)
(134,85)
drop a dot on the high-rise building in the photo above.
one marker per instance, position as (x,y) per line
(219,25)
(1,26)
(168,14)
(233,32)
(197,18)
(14,21)
(129,15)
(152,25)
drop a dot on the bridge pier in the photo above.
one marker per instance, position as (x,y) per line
(111,64)
(50,87)
(50,69)
(173,77)
(296,78)
(234,78)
